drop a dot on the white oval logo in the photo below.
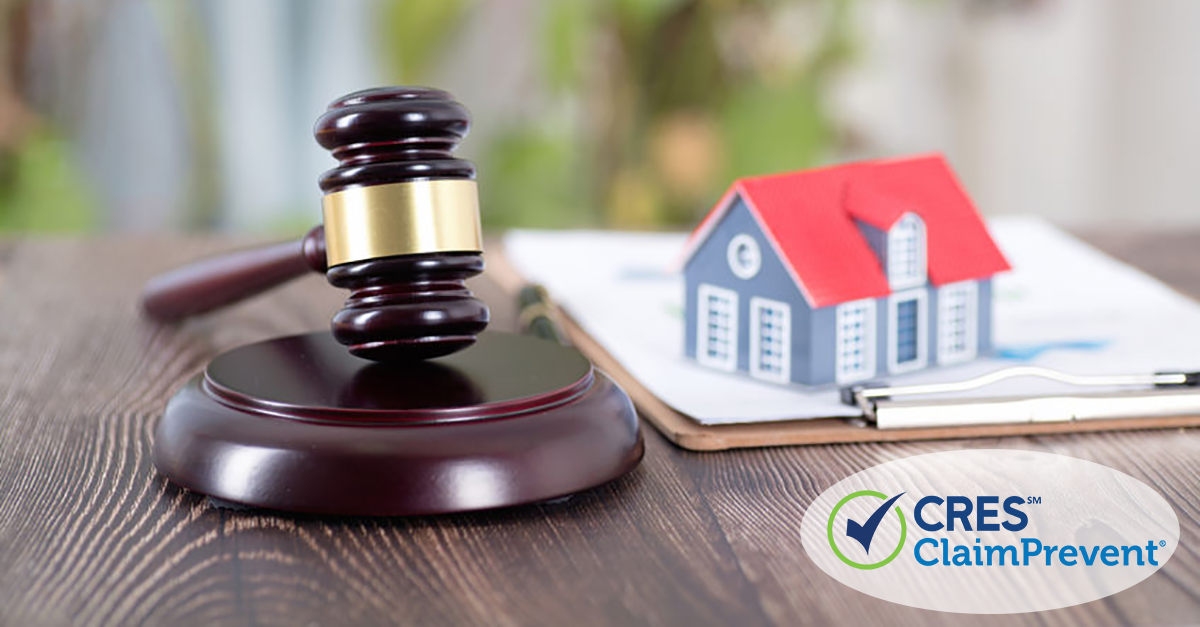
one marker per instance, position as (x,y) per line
(989,531)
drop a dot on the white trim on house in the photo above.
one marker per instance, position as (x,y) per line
(779,365)
(958,322)
(709,349)
(854,329)
(907,253)
(922,340)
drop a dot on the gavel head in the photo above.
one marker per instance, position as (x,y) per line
(401,218)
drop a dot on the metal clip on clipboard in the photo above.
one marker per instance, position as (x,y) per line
(1163,394)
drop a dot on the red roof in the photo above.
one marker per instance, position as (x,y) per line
(810,218)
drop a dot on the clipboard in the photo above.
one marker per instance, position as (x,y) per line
(691,435)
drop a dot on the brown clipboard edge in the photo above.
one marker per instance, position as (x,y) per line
(689,434)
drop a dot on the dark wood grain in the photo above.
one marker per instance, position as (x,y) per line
(91,535)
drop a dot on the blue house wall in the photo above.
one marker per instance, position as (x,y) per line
(709,265)
(823,335)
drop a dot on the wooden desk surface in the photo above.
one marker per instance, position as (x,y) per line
(91,535)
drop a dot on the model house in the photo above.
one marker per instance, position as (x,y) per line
(841,274)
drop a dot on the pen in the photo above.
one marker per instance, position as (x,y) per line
(536,315)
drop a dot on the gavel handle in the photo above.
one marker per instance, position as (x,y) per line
(213,283)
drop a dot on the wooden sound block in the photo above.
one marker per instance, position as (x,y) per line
(298,424)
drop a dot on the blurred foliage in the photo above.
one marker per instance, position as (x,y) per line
(417,33)
(530,176)
(640,113)
(40,187)
(195,77)
(41,190)
(651,107)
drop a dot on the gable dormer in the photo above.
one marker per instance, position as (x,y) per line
(902,250)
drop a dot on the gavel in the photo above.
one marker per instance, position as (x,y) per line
(400,230)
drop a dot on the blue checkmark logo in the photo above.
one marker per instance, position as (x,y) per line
(865,532)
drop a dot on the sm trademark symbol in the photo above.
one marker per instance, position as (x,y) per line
(1033,500)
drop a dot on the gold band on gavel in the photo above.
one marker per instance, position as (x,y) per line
(402,219)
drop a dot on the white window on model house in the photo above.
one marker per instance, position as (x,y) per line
(958,322)
(908,323)
(770,340)
(854,356)
(906,262)
(716,327)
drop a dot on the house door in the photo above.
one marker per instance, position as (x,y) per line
(770,340)
(716,327)
(907,328)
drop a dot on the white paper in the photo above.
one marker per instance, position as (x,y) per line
(1092,314)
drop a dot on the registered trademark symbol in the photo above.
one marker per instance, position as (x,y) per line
(1162,543)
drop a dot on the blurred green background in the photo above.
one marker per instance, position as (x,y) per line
(196,114)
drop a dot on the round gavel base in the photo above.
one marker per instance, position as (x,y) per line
(298,424)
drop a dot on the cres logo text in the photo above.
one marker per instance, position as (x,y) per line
(935,516)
